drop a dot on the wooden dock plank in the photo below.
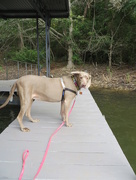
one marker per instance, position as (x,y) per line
(88,150)
(5,85)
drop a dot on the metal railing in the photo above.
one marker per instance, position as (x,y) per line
(15,69)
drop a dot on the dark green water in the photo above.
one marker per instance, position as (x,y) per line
(120,112)
(7,115)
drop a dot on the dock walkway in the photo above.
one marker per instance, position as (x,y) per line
(86,151)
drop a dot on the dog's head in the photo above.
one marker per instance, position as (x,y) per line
(83,79)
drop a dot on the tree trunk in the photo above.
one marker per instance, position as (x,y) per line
(70,64)
(21,36)
(93,26)
(85,10)
(110,55)
(111,50)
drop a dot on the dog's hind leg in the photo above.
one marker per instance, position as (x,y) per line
(20,118)
(28,113)
(24,102)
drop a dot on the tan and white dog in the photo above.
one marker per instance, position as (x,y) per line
(31,87)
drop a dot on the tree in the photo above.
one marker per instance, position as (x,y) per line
(97,31)
(70,50)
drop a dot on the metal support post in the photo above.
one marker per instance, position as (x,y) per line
(18,69)
(48,21)
(38,56)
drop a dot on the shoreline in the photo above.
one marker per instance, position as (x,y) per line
(120,78)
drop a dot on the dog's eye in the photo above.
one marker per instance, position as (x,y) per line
(81,77)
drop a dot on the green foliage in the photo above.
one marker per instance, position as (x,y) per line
(99,28)
(1,69)
(77,59)
(26,55)
(128,78)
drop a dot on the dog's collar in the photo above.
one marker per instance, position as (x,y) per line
(75,82)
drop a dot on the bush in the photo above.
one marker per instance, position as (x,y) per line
(76,59)
(27,55)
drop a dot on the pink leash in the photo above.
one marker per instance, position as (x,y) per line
(25,155)
(46,151)
(48,145)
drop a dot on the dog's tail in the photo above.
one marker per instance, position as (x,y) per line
(10,96)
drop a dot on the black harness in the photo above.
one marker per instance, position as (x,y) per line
(67,89)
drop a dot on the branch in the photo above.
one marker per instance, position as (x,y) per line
(119,26)
(53,30)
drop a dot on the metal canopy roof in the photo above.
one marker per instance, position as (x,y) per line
(34,8)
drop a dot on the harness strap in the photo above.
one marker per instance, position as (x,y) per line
(63,93)
(62,83)
(66,89)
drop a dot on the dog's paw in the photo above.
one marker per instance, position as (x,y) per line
(69,125)
(25,129)
(35,120)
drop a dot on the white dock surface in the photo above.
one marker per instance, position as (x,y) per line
(86,151)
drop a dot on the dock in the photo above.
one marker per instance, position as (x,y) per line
(86,151)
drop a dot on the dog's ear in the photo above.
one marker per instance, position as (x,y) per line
(75,72)
(89,82)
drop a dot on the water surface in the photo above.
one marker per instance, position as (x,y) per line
(120,111)
(7,115)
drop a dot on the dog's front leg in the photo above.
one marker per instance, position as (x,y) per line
(62,112)
(67,106)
